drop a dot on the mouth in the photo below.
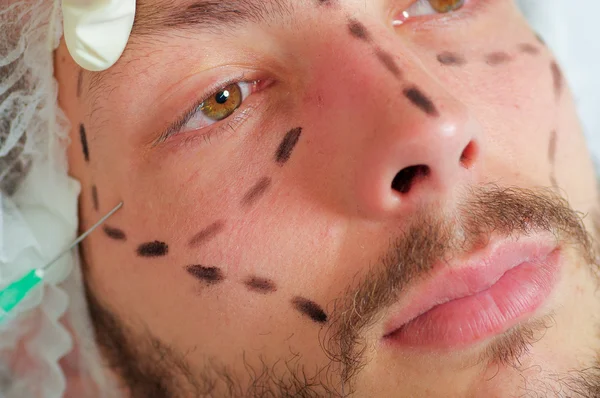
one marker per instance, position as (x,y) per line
(481,297)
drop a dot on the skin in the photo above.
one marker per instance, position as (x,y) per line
(270,229)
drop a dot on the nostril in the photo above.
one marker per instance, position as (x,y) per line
(468,156)
(407,177)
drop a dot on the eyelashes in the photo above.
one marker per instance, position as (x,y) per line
(231,122)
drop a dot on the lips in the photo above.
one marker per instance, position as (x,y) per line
(483,296)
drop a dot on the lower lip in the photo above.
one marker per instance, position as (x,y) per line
(468,320)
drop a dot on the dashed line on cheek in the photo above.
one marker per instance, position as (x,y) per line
(260,285)
(530,49)
(358,30)
(208,275)
(451,59)
(95,200)
(287,145)
(207,234)
(309,309)
(387,60)
(153,249)
(421,101)
(114,233)
(84,143)
(497,58)
(257,192)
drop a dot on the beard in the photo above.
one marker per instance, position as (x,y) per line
(149,367)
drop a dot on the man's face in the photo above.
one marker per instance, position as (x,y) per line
(336,197)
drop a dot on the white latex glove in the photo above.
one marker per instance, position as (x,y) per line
(97,31)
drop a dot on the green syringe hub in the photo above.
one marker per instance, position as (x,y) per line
(14,293)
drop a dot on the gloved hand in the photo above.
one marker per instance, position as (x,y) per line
(97,31)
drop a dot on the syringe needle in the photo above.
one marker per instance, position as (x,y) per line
(14,293)
(82,237)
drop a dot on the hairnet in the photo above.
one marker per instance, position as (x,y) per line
(38,215)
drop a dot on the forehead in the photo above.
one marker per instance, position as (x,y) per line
(154,16)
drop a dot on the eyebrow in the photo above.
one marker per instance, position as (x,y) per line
(153,19)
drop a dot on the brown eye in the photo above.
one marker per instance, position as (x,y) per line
(443,6)
(223,103)
(420,8)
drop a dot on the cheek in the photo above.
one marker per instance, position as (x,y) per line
(574,169)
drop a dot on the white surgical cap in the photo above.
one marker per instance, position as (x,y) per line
(38,211)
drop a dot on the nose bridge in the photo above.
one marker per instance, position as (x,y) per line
(426,142)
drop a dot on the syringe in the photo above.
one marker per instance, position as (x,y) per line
(13,294)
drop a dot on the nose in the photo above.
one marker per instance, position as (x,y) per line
(422,150)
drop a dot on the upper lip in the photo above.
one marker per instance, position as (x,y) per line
(476,273)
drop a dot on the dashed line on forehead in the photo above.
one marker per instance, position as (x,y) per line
(421,101)
(309,309)
(497,58)
(358,30)
(208,275)
(451,58)
(389,62)
(257,191)
(287,145)
(95,200)
(153,249)
(114,233)
(84,142)
(207,234)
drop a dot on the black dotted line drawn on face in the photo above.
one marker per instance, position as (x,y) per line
(287,146)
(153,249)
(497,58)
(557,79)
(309,309)
(388,61)
(95,200)
(84,142)
(256,192)
(207,234)
(451,59)
(208,275)
(421,101)
(358,30)
(114,233)
(528,48)
(260,285)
